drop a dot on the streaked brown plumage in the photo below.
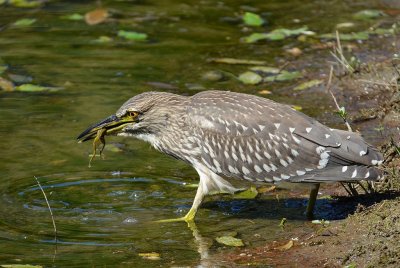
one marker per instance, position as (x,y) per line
(226,135)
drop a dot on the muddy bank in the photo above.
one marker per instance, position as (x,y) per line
(364,230)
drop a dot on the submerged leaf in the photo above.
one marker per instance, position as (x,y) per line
(309,84)
(230,241)
(103,39)
(237,61)
(252,19)
(96,16)
(20,266)
(347,37)
(135,36)
(254,37)
(24,22)
(35,88)
(25,3)
(368,14)
(250,78)
(74,16)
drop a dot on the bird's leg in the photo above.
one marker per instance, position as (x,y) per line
(312,200)
(189,217)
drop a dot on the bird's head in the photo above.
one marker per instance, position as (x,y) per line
(146,113)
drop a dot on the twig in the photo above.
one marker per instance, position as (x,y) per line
(48,205)
(328,87)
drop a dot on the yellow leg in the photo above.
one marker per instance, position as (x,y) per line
(189,217)
(312,200)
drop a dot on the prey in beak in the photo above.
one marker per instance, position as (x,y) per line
(110,125)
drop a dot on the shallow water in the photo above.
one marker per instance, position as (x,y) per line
(105,215)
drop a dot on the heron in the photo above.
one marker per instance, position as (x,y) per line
(227,136)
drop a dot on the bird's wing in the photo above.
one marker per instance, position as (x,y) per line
(257,139)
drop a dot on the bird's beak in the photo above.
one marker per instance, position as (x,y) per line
(112,124)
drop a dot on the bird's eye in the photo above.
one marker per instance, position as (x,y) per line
(133,114)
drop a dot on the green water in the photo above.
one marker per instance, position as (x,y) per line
(104,215)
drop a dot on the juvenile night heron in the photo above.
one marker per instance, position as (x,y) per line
(226,136)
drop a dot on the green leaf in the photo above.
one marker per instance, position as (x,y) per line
(250,78)
(103,39)
(20,266)
(230,241)
(347,37)
(252,19)
(135,36)
(35,88)
(24,22)
(74,16)
(368,14)
(25,3)
(265,69)
(309,84)
(249,193)
(254,37)
(277,34)
(283,76)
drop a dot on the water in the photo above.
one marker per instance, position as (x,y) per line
(105,215)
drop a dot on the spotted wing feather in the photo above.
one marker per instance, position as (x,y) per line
(254,138)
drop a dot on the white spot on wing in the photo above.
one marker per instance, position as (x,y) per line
(266,168)
(245,171)
(354,174)
(300,172)
(327,136)
(257,169)
(294,152)
(366,175)
(258,156)
(363,153)
(308,130)
(277,125)
(292,129)
(285,177)
(261,127)
(283,163)
(344,169)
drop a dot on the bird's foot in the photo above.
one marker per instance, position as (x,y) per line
(189,217)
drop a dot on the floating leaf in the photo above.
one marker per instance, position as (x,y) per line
(213,76)
(368,14)
(345,25)
(252,19)
(249,193)
(191,185)
(347,37)
(264,92)
(103,39)
(24,22)
(135,36)
(277,34)
(283,76)
(74,16)
(265,69)
(20,266)
(154,256)
(96,16)
(6,85)
(237,61)
(35,88)
(287,246)
(250,78)
(230,241)
(309,84)
(254,37)
(297,107)
(295,51)
(383,31)
(25,3)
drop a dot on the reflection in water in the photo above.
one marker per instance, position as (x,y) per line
(202,243)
